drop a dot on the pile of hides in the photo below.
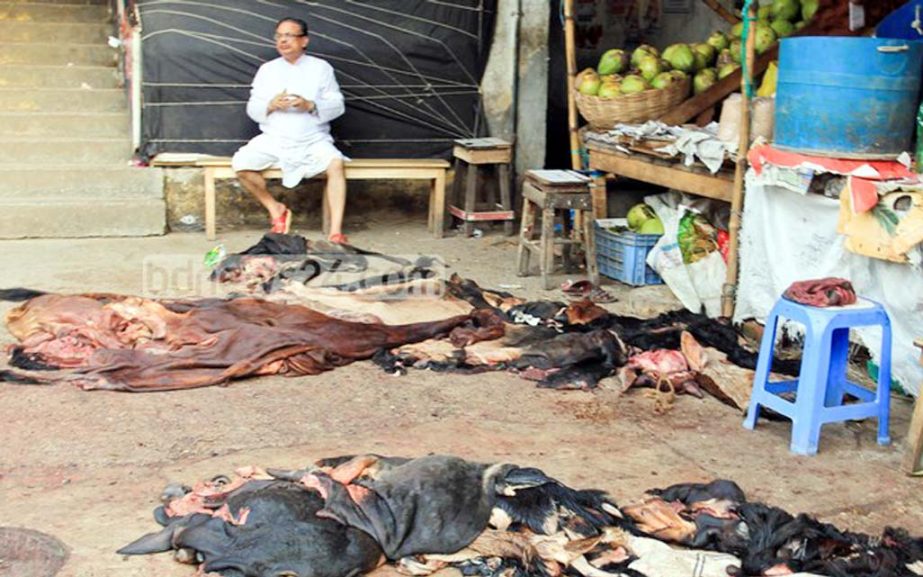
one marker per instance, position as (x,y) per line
(348,515)
(101,341)
(302,307)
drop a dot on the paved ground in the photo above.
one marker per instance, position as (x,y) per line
(87,467)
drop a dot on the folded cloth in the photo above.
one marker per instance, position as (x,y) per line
(823,292)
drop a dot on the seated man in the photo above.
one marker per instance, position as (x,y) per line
(294,98)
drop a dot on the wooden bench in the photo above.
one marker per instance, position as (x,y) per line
(433,170)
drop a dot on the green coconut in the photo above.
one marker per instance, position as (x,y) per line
(680,57)
(643,50)
(610,89)
(736,47)
(588,82)
(703,80)
(782,28)
(651,226)
(765,37)
(663,80)
(639,214)
(632,84)
(808,9)
(707,51)
(785,9)
(718,40)
(614,61)
(726,70)
(649,67)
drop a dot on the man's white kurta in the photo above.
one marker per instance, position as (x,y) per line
(298,142)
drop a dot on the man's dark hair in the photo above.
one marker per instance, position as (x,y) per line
(301,24)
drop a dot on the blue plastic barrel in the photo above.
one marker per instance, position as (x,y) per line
(846,96)
(905,22)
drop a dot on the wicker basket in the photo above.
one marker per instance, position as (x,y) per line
(603,113)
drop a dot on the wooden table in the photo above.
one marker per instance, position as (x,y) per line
(912,465)
(668,173)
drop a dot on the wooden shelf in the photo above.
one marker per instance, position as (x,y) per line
(670,174)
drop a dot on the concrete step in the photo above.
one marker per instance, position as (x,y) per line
(64,100)
(50,76)
(57,54)
(45,151)
(84,200)
(79,181)
(64,217)
(74,125)
(53,12)
(78,33)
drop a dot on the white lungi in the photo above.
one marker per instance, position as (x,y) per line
(297,160)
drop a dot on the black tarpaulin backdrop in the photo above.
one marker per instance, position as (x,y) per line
(409,70)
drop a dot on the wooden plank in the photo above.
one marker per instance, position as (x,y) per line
(488,156)
(670,176)
(731,83)
(558,177)
(722,11)
(487,142)
(225,161)
(912,464)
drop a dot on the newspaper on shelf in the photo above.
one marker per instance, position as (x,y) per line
(692,143)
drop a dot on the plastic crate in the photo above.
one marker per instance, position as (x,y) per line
(623,256)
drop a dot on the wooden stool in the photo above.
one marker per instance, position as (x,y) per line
(470,156)
(549,191)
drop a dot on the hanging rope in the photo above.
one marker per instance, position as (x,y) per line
(747,21)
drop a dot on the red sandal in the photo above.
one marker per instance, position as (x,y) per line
(282,224)
(338,238)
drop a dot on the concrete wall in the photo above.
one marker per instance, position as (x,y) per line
(503,79)
(693,27)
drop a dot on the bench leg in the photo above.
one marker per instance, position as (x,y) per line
(525,237)
(547,244)
(209,203)
(589,244)
(506,196)
(471,183)
(437,205)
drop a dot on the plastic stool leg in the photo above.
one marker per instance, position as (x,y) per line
(883,396)
(836,375)
(806,422)
(763,367)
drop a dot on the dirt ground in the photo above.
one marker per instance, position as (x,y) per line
(87,467)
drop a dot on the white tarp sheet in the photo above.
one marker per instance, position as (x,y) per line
(786,236)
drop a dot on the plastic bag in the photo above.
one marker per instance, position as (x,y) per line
(667,259)
(768,86)
(708,275)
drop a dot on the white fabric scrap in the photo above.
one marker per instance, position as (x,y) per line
(657,559)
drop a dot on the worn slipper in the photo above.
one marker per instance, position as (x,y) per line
(580,288)
(601,296)
(282,224)
(338,238)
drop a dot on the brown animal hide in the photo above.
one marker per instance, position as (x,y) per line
(135,344)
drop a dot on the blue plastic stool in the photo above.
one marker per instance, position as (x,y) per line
(820,389)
